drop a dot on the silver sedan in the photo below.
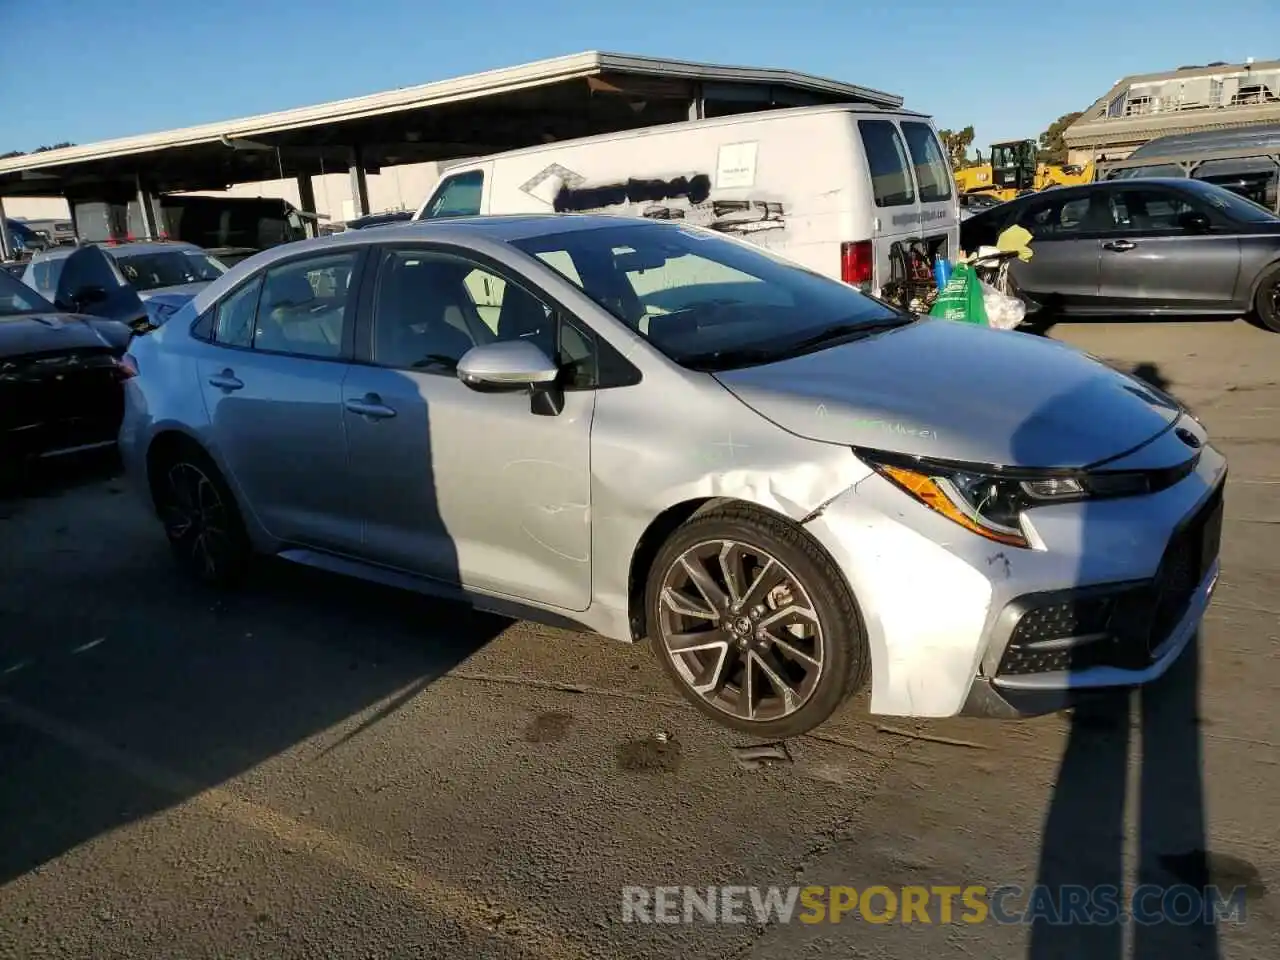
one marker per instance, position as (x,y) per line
(655,431)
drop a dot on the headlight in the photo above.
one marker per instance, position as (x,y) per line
(990,506)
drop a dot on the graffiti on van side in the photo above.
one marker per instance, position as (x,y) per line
(577,199)
(725,216)
(683,198)
(747,216)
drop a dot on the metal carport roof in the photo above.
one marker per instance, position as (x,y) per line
(540,102)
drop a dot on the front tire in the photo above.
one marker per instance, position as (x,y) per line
(754,624)
(1266,302)
(201,520)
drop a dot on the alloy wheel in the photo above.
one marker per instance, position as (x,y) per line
(741,630)
(196,519)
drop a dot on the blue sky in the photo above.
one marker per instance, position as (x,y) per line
(148,65)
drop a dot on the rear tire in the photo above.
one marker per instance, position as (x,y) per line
(201,520)
(1266,302)
(754,624)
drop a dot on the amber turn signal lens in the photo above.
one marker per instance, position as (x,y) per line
(925,489)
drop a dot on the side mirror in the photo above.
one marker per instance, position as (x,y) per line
(514,365)
(1194,222)
(511,363)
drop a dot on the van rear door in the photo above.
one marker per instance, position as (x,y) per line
(911,186)
(935,189)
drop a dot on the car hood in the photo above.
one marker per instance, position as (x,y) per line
(957,391)
(50,332)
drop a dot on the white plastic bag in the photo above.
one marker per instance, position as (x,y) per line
(1003,311)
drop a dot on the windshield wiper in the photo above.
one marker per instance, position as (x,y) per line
(846,331)
(750,356)
(728,359)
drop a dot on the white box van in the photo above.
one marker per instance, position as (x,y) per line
(832,188)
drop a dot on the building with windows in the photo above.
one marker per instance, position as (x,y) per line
(1140,108)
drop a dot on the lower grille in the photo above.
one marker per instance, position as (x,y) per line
(1122,628)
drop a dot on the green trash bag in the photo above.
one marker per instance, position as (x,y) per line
(961,298)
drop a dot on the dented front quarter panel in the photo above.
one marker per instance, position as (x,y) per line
(643,465)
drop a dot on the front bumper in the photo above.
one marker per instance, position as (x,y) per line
(959,624)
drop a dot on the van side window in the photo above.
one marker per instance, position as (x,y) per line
(457,196)
(887,160)
(933,176)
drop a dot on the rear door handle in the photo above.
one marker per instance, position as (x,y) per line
(1120,246)
(226,380)
(371,406)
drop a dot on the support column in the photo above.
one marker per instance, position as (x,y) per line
(698,105)
(359,186)
(7,251)
(146,206)
(307,203)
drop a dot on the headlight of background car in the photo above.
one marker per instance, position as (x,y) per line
(990,506)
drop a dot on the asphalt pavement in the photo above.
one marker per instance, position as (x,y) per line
(313,767)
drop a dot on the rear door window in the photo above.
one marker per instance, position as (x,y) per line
(933,176)
(458,196)
(1057,218)
(303,308)
(233,324)
(1148,211)
(887,159)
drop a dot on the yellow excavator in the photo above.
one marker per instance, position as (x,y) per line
(1014,169)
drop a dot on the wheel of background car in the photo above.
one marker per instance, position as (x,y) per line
(1266,302)
(200,517)
(753,622)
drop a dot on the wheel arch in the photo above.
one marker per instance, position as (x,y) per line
(166,444)
(667,523)
(1256,284)
(646,551)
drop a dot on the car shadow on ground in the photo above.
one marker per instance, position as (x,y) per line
(126,689)
(1083,891)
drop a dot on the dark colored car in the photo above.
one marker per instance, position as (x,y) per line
(1150,247)
(61,376)
(379,219)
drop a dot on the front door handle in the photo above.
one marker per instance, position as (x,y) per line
(226,381)
(371,406)
(1119,246)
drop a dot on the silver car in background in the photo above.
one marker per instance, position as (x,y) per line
(651,430)
(164,274)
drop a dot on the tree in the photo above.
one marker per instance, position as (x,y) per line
(1053,148)
(957,144)
(23,153)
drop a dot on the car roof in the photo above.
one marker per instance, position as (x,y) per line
(117,250)
(501,228)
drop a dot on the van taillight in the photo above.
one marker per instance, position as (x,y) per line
(855,263)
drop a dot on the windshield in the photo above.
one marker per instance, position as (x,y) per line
(169,268)
(705,301)
(16,297)
(1232,204)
